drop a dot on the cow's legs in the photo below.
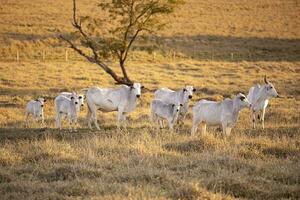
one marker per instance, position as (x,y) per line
(224,127)
(43,120)
(228,130)
(70,123)
(56,120)
(263,118)
(123,121)
(119,118)
(181,119)
(253,115)
(203,128)
(196,122)
(27,119)
(160,123)
(170,125)
(154,119)
(75,125)
(94,115)
(59,121)
(89,118)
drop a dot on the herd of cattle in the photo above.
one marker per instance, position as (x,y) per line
(168,105)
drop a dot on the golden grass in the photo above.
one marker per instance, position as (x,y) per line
(141,162)
(251,30)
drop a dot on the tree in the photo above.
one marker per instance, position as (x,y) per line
(127,20)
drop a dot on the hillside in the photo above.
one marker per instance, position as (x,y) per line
(252,30)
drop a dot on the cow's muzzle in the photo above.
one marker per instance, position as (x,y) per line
(190,96)
(138,96)
(42,105)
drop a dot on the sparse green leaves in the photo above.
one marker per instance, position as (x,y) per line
(113,35)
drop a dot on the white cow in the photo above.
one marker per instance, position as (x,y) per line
(223,113)
(35,108)
(173,97)
(259,96)
(161,111)
(66,106)
(122,99)
(80,99)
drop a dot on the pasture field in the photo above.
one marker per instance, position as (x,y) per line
(142,162)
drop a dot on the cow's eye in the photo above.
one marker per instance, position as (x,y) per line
(271,87)
(242,98)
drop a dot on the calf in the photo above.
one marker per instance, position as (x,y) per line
(173,97)
(223,113)
(161,111)
(35,109)
(66,106)
(80,99)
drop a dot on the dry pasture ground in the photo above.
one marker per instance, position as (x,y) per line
(142,162)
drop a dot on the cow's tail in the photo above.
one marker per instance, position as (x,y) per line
(89,112)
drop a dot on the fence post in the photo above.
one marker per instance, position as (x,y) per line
(66,56)
(154,55)
(18,56)
(44,55)
(231,56)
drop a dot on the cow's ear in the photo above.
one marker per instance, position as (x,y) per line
(142,87)
(194,90)
(184,89)
(44,100)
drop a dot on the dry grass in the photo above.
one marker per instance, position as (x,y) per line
(141,162)
(251,30)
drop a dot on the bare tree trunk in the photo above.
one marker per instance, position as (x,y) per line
(125,75)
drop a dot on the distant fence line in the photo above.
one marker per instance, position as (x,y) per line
(170,54)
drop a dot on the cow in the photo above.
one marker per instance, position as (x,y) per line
(223,113)
(259,96)
(66,106)
(173,97)
(122,99)
(35,108)
(80,99)
(161,110)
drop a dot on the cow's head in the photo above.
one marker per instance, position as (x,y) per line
(269,88)
(41,101)
(81,100)
(188,91)
(136,87)
(74,98)
(176,107)
(242,101)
